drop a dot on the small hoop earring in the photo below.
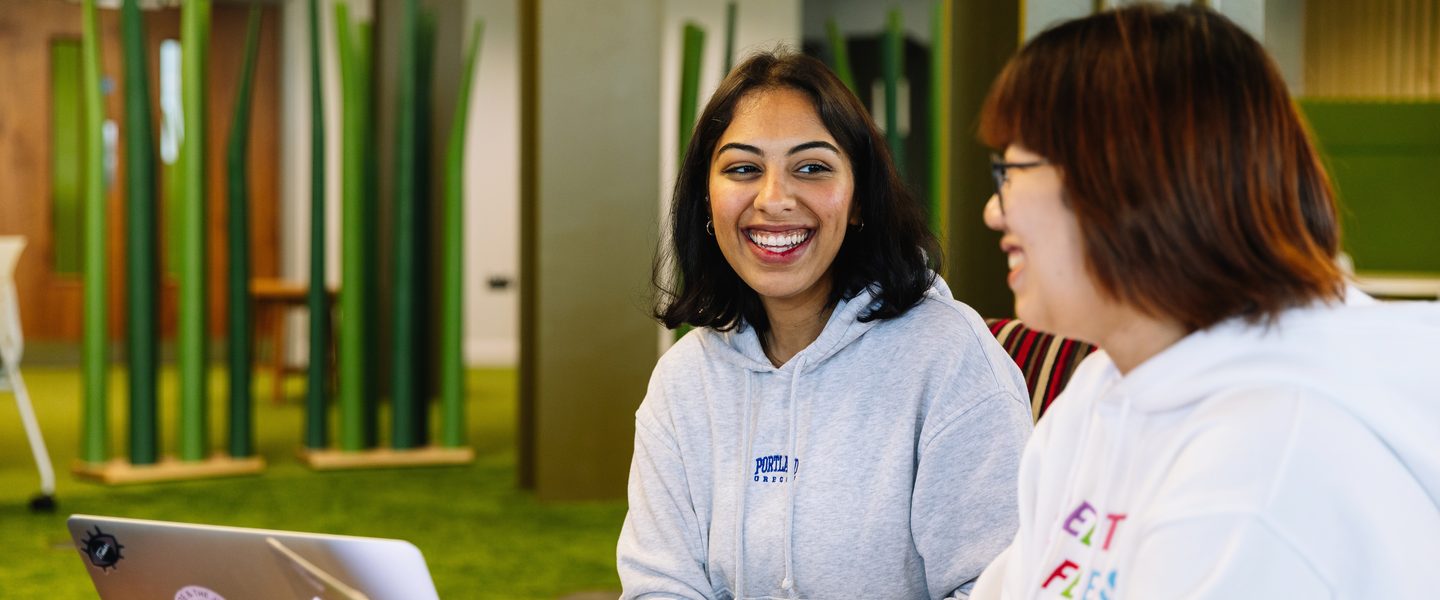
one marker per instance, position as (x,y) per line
(861,227)
(709,228)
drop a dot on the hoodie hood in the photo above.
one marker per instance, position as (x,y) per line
(741,347)
(1379,362)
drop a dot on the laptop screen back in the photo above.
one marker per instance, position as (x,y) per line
(131,558)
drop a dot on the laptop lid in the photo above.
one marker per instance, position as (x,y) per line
(132,558)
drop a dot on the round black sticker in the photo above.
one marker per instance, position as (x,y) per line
(102,548)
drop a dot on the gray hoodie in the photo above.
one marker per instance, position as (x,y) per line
(879,462)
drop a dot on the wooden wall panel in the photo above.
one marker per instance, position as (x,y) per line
(1378,49)
(50,303)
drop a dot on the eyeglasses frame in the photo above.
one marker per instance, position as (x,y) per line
(998,171)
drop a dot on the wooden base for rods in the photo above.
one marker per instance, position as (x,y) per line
(121,472)
(379,458)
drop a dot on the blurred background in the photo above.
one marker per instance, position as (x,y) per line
(469,195)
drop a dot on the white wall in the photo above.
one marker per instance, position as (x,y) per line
(492,172)
(1041,14)
(1285,39)
(1279,24)
(492,188)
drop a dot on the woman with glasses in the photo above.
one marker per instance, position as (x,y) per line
(836,425)
(1245,431)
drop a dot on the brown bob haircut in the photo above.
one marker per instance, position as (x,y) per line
(1197,191)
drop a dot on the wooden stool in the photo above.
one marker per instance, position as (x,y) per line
(273,298)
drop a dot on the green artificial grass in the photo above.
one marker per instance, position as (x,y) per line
(481,536)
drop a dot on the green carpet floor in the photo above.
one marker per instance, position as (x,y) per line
(481,536)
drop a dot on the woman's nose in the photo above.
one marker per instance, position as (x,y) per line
(774,196)
(994,217)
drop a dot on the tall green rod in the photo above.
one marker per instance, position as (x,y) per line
(731,9)
(195,19)
(426,239)
(352,299)
(237,166)
(893,66)
(840,54)
(95,434)
(363,38)
(402,388)
(141,248)
(316,300)
(452,314)
(694,46)
(939,211)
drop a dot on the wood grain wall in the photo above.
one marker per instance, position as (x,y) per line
(1381,49)
(50,302)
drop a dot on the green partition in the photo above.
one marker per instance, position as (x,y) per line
(1384,158)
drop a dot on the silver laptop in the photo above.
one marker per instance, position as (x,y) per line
(131,558)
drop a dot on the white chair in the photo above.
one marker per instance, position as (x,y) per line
(12,346)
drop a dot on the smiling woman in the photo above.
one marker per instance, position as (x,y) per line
(1249,428)
(780,199)
(821,336)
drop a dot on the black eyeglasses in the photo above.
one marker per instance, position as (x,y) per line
(998,168)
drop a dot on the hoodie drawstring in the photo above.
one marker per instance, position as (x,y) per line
(747,447)
(788,583)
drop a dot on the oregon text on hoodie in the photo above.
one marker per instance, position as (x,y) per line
(879,462)
(1296,461)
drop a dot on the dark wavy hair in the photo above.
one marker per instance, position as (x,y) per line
(892,254)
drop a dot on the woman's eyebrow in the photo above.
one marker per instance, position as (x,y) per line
(740,147)
(799,148)
(816,144)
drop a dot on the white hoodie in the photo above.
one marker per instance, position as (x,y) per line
(879,462)
(1295,461)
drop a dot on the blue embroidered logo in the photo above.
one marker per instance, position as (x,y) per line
(775,468)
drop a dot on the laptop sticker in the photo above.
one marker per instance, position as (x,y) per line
(103,549)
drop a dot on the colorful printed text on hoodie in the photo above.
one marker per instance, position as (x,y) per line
(879,462)
(1296,461)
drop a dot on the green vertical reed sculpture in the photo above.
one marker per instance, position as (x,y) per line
(362,36)
(939,206)
(316,298)
(353,269)
(237,166)
(95,428)
(426,241)
(694,46)
(840,55)
(194,39)
(141,245)
(403,384)
(452,316)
